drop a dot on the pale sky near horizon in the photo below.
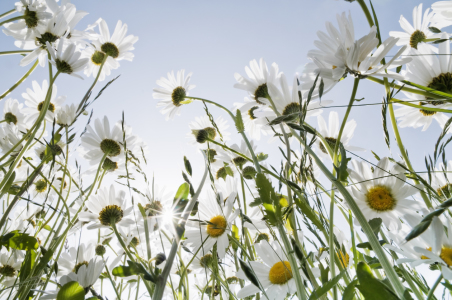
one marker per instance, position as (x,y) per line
(214,40)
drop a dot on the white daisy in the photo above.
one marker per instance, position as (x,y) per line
(330,133)
(327,45)
(259,77)
(248,110)
(10,263)
(431,71)
(95,59)
(383,192)
(238,160)
(34,100)
(172,93)
(417,33)
(274,274)
(443,11)
(442,180)
(107,207)
(203,123)
(74,258)
(35,20)
(214,224)
(66,115)
(67,61)
(10,137)
(12,113)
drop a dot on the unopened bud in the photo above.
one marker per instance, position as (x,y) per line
(249,172)
(100,250)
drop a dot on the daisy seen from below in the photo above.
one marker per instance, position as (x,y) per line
(433,71)
(34,100)
(95,59)
(74,258)
(13,114)
(67,61)
(10,262)
(204,125)
(107,208)
(327,45)
(248,110)
(259,76)
(443,11)
(331,131)
(418,32)
(442,180)
(172,93)
(382,193)
(214,225)
(274,274)
(66,115)
(35,20)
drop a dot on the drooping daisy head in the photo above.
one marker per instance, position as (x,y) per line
(202,127)
(172,92)
(107,208)
(382,192)
(275,274)
(10,262)
(249,109)
(67,61)
(259,76)
(13,114)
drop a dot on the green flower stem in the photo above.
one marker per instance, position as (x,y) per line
(111,280)
(15,52)
(255,161)
(435,285)
(33,67)
(12,19)
(293,262)
(421,106)
(121,241)
(97,175)
(404,88)
(161,281)
(384,261)
(402,148)
(366,12)
(9,12)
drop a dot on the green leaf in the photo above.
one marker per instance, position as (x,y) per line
(349,291)
(375,155)
(434,29)
(239,122)
(324,272)
(371,287)
(418,230)
(182,192)
(321,87)
(375,224)
(124,271)
(440,41)
(320,291)
(27,265)
(19,241)
(249,273)
(342,172)
(71,291)
(269,199)
(367,245)
(261,156)
(8,184)
(301,128)
(187,166)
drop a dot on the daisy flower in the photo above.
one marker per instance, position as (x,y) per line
(360,61)
(259,77)
(442,180)
(34,100)
(105,208)
(248,110)
(330,133)
(238,160)
(102,140)
(383,192)
(172,93)
(432,71)
(443,11)
(66,115)
(12,113)
(54,151)
(328,44)
(72,260)
(274,274)
(10,263)
(35,20)
(67,61)
(287,102)
(10,137)
(416,33)
(214,226)
(203,123)
(157,205)
(118,45)
(95,59)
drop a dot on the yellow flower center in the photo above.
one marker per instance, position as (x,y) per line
(379,198)
(446,255)
(280,273)
(425,257)
(344,259)
(217,226)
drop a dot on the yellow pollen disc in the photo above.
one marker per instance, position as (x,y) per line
(425,257)
(446,255)
(280,273)
(379,198)
(217,226)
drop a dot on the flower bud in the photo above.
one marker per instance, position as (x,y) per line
(249,172)
(159,258)
(201,135)
(100,250)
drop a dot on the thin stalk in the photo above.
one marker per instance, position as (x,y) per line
(111,281)
(12,19)
(421,106)
(33,67)
(97,174)
(366,11)
(15,52)
(435,285)
(121,241)
(9,12)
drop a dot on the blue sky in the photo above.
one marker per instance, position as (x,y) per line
(214,40)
